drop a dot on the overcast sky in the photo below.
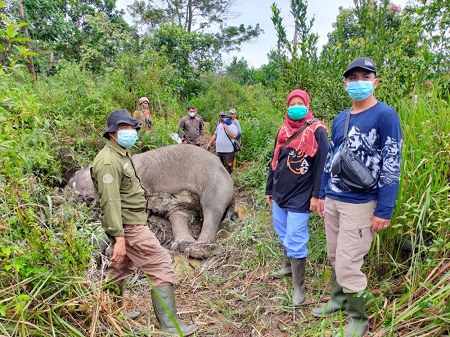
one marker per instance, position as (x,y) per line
(252,12)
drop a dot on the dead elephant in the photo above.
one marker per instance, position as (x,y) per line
(179,180)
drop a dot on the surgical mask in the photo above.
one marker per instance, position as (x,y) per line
(227,121)
(192,114)
(127,138)
(360,90)
(297,112)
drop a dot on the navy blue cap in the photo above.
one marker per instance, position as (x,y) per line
(362,62)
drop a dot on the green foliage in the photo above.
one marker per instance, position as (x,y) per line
(148,74)
(195,16)
(190,54)
(421,216)
(11,42)
(296,59)
(159,135)
(257,115)
(40,239)
(380,31)
(92,33)
(241,72)
(432,17)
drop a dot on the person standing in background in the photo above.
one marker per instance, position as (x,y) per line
(235,121)
(224,136)
(190,127)
(143,113)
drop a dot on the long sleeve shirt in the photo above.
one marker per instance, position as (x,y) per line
(190,128)
(297,176)
(118,190)
(375,137)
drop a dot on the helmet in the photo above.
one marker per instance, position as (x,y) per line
(144,99)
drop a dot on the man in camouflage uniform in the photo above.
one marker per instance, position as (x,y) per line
(124,219)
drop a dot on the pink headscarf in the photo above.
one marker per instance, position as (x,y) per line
(306,142)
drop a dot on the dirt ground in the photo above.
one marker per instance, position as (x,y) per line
(207,289)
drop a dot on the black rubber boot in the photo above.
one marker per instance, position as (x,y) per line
(163,299)
(358,323)
(286,270)
(338,300)
(298,280)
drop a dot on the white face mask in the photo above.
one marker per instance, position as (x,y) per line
(192,114)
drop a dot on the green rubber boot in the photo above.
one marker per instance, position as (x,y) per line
(337,301)
(298,280)
(286,270)
(163,299)
(358,323)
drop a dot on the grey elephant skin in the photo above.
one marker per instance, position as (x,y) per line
(179,180)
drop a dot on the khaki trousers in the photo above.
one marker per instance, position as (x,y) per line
(349,237)
(145,252)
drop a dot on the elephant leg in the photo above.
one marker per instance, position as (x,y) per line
(211,222)
(180,229)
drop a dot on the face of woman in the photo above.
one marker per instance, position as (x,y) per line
(297,101)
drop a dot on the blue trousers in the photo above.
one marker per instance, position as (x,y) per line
(292,230)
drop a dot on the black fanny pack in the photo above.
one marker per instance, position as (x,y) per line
(352,172)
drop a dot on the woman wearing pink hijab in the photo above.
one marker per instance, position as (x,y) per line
(293,184)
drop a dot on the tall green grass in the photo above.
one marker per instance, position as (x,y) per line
(414,252)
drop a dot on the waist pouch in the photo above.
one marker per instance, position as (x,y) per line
(236,146)
(352,172)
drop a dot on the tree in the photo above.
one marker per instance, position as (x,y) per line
(240,71)
(433,16)
(195,16)
(381,31)
(296,58)
(64,29)
(27,35)
(12,43)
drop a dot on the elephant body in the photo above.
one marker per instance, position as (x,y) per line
(180,180)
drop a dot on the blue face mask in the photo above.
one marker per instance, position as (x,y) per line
(127,138)
(297,112)
(227,121)
(360,90)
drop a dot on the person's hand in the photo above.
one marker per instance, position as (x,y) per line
(119,250)
(320,207)
(207,146)
(379,224)
(269,199)
(313,204)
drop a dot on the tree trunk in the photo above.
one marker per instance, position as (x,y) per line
(27,35)
(51,63)
(189,28)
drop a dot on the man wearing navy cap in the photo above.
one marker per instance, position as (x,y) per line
(124,218)
(352,217)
